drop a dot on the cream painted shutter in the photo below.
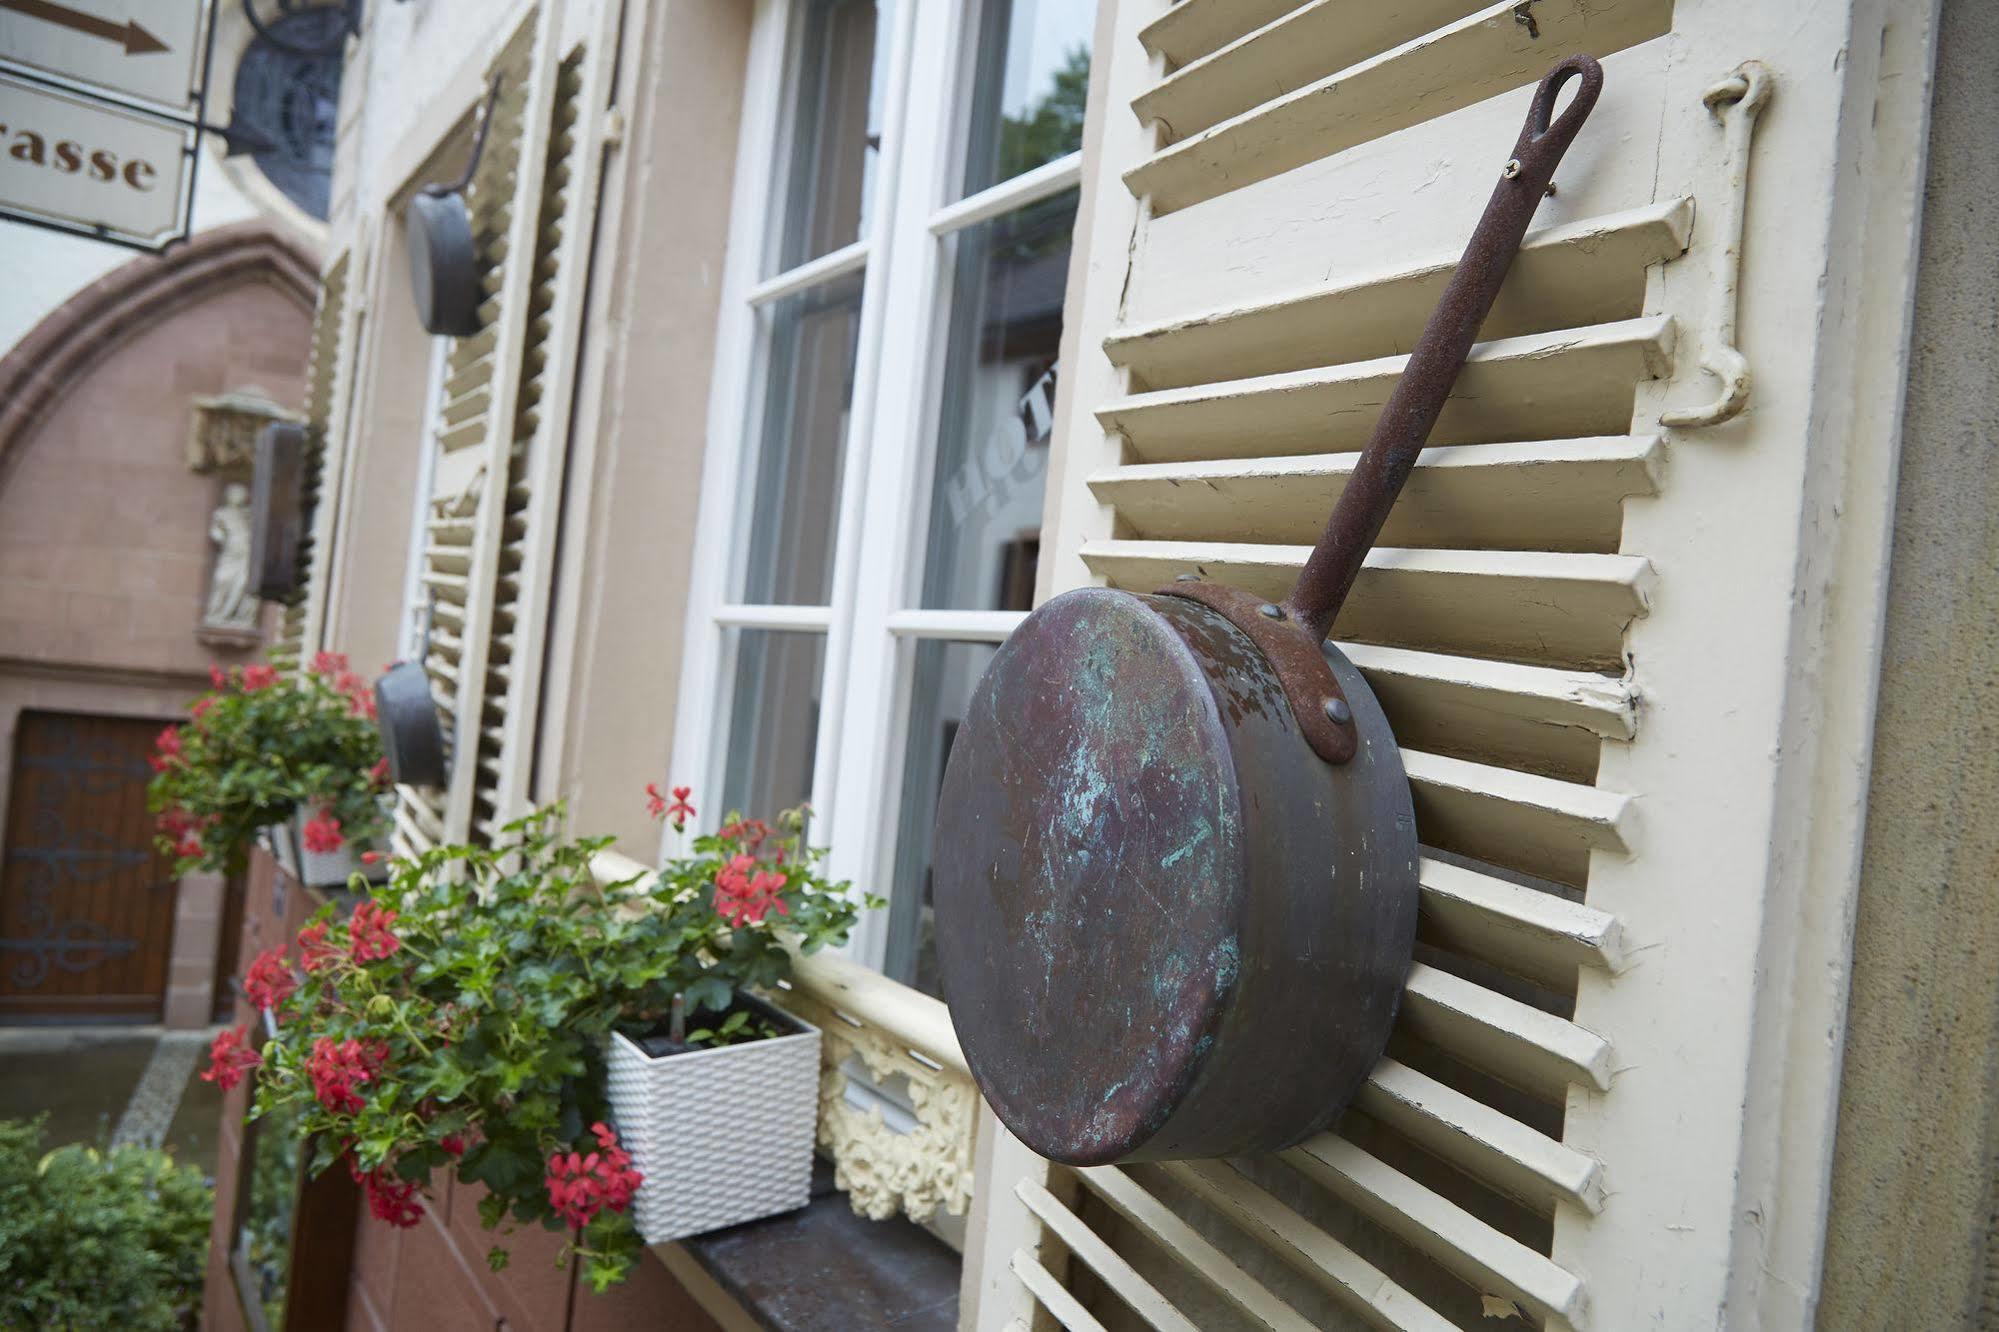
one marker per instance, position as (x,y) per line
(327,375)
(503,441)
(1279,192)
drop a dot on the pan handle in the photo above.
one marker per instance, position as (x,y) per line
(1440,352)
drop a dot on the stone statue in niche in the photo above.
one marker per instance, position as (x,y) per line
(231,609)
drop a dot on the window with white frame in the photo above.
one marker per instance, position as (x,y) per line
(878,433)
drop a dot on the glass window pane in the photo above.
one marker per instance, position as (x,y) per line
(774,721)
(944,675)
(834,128)
(794,505)
(999,391)
(1027,100)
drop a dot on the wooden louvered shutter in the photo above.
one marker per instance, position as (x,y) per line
(327,375)
(502,437)
(1278,195)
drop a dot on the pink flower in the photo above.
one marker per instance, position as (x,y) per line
(745,893)
(371,857)
(454,1144)
(379,774)
(322,833)
(230,1058)
(581,1186)
(679,812)
(328,663)
(269,982)
(258,677)
(314,951)
(655,802)
(369,931)
(199,708)
(216,677)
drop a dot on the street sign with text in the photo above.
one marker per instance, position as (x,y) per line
(84,165)
(147,51)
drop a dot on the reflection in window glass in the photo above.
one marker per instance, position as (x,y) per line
(787,541)
(1027,104)
(774,727)
(264,1233)
(835,128)
(944,676)
(999,391)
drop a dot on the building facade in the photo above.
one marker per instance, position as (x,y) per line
(818,340)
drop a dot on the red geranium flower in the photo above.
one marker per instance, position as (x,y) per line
(269,982)
(216,677)
(370,934)
(230,1058)
(580,1186)
(328,663)
(746,894)
(339,1070)
(322,833)
(258,677)
(389,1199)
(379,774)
(166,749)
(314,951)
(454,1144)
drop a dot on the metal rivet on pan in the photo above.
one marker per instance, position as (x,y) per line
(1338,711)
(1270,611)
(1186,578)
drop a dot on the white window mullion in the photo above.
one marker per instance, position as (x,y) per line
(707,660)
(862,434)
(876,685)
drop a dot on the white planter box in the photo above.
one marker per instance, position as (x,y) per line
(722,1136)
(319,869)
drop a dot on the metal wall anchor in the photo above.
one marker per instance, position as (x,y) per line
(1735,101)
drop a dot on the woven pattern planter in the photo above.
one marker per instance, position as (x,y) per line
(722,1136)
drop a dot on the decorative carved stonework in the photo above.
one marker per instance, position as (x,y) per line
(885,1169)
(223,436)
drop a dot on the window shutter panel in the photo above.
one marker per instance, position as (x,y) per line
(326,375)
(472,559)
(1259,259)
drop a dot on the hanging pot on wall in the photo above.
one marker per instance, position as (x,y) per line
(412,736)
(1175,881)
(277,510)
(444,258)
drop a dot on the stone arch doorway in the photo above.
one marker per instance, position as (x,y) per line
(107,503)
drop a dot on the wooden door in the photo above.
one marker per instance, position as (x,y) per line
(86,902)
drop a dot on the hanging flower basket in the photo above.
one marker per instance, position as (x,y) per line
(303,850)
(722,1134)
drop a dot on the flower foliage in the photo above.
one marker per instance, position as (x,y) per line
(459,1018)
(261,744)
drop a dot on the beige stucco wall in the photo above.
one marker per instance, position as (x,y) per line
(1912,1236)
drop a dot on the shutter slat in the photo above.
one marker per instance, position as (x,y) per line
(1535,1051)
(1526,931)
(1114,1271)
(1534,824)
(1346,1276)
(1281,57)
(1430,1223)
(1192,1250)
(1558,609)
(1565,383)
(1573,275)
(1480,56)
(1556,495)
(1065,1308)
(1483,1142)
(1192,28)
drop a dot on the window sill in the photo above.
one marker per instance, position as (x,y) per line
(824,1269)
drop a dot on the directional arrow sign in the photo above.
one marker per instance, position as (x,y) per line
(146,50)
